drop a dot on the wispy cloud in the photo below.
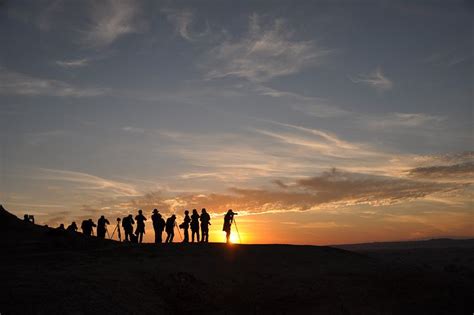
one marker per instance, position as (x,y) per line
(21,84)
(131,129)
(450,58)
(85,181)
(263,53)
(402,120)
(376,79)
(312,106)
(111,19)
(181,20)
(75,63)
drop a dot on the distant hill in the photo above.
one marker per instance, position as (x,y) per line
(433,243)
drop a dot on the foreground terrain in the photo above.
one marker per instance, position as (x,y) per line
(43,271)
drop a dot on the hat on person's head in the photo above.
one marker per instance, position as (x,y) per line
(155,211)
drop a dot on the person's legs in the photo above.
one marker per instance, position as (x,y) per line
(227,236)
(186,236)
(205,235)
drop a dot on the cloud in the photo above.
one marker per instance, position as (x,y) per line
(402,120)
(375,79)
(329,189)
(182,20)
(449,59)
(111,19)
(463,172)
(84,181)
(263,53)
(77,63)
(312,106)
(22,84)
(133,129)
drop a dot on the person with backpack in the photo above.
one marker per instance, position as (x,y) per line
(127,224)
(195,226)
(158,225)
(101,226)
(185,226)
(140,218)
(205,222)
(170,223)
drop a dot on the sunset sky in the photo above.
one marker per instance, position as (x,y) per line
(319,123)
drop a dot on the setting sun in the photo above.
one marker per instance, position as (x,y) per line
(234,239)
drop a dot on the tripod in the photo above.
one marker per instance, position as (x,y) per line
(237,229)
(179,232)
(117,228)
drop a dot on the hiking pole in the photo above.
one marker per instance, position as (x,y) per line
(179,232)
(237,229)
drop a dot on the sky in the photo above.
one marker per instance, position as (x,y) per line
(319,122)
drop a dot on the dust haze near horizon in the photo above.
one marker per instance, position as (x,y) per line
(319,123)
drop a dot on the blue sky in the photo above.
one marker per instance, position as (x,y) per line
(288,111)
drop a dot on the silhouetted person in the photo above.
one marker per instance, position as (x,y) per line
(228,219)
(127,224)
(29,218)
(92,226)
(170,222)
(61,227)
(140,218)
(205,222)
(72,227)
(87,227)
(158,225)
(185,226)
(101,227)
(195,225)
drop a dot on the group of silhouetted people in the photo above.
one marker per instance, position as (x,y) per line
(198,223)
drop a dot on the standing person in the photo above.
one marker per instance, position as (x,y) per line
(85,228)
(158,225)
(205,222)
(228,219)
(170,222)
(140,218)
(185,226)
(72,227)
(101,226)
(195,226)
(127,224)
(91,226)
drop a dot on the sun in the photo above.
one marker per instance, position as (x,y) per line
(234,239)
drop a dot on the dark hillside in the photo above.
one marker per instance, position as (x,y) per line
(44,272)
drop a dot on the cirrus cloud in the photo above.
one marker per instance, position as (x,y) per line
(263,53)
